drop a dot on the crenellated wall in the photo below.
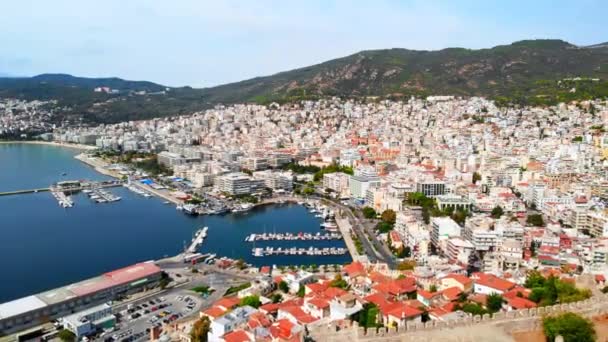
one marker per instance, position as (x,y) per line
(520,320)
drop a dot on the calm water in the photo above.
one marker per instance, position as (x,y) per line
(43,246)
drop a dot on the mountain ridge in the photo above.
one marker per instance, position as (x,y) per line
(523,72)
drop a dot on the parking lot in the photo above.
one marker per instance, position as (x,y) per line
(135,322)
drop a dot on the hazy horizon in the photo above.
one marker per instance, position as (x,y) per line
(202,44)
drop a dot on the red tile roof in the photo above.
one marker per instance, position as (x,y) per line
(282,329)
(464,280)
(520,303)
(258,319)
(400,310)
(427,295)
(451,293)
(228,302)
(299,314)
(493,282)
(237,336)
(354,269)
(320,303)
(214,312)
(269,308)
(317,287)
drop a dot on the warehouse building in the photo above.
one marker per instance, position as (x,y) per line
(37,309)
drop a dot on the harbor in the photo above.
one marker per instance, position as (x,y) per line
(292,237)
(310,251)
(126,232)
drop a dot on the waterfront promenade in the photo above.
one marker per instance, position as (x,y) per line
(98,164)
(50,143)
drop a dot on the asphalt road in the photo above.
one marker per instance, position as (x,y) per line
(375,249)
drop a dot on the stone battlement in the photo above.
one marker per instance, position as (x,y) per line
(519,320)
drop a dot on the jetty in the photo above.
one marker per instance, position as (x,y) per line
(64,200)
(197,241)
(310,251)
(292,237)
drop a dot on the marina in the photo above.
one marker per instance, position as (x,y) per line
(101,196)
(292,237)
(137,190)
(310,251)
(132,230)
(64,200)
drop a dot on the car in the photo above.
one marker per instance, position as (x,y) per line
(178,275)
(154,308)
(146,312)
(144,305)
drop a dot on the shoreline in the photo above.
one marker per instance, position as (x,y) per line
(50,143)
(97,165)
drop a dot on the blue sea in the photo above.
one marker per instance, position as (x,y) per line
(43,246)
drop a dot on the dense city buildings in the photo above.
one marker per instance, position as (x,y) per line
(465,197)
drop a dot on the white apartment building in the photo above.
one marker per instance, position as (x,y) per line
(480,232)
(443,228)
(337,181)
(275,180)
(459,250)
(237,183)
(359,185)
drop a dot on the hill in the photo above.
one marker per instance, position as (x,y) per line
(525,67)
(525,72)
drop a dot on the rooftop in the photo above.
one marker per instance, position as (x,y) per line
(20,306)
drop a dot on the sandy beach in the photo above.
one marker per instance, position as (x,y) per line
(50,143)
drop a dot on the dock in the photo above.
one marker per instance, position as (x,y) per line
(292,237)
(101,196)
(63,199)
(21,192)
(197,241)
(311,251)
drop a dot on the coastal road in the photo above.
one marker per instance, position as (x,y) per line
(376,250)
(364,229)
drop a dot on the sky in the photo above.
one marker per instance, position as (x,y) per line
(205,43)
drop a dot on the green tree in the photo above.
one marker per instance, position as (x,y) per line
(200,329)
(283,286)
(253,301)
(497,212)
(476,177)
(66,335)
(367,316)
(384,227)
(406,265)
(276,298)
(460,216)
(494,302)
(301,291)
(535,220)
(474,309)
(572,327)
(369,213)
(339,282)
(389,216)
(433,288)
